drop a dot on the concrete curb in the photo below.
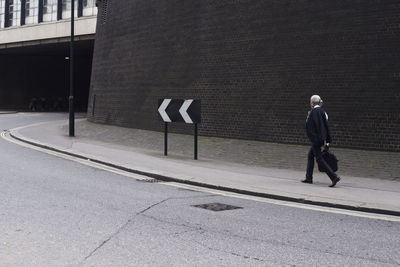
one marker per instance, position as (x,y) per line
(8,112)
(211,186)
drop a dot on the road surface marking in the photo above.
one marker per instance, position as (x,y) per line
(205,190)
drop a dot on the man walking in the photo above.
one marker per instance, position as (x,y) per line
(318,133)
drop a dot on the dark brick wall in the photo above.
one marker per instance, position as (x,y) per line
(254,64)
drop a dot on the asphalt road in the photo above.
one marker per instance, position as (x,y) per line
(59,212)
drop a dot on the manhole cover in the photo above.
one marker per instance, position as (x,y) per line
(217,207)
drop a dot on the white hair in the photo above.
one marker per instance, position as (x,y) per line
(316,99)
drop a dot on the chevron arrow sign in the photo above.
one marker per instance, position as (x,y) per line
(180,110)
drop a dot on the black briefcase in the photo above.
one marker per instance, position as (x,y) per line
(331,159)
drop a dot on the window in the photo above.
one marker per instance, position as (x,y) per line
(31,11)
(89,8)
(15,13)
(2,13)
(49,10)
(66,8)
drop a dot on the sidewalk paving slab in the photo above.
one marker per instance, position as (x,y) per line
(219,166)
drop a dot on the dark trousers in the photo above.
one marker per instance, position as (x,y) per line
(315,152)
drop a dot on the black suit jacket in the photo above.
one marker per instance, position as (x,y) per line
(317,127)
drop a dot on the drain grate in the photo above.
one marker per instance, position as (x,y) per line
(150,180)
(217,207)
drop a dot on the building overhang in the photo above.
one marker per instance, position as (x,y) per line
(56,31)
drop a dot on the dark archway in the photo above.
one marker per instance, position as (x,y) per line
(36,77)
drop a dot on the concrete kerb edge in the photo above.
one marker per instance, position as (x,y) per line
(211,186)
(8,112)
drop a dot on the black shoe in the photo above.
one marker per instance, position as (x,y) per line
(307,181)
(334,182)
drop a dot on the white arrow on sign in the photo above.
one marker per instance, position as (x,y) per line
(183,111)
(162,109)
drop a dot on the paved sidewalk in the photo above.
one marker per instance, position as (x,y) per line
(370,180)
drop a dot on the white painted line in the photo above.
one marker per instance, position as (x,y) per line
(183,110)
(288,204)
(207,190)
(162,109)
(75,159)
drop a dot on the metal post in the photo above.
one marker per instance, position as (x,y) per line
(195,140)
(71,74)
(166,139)
(93,105)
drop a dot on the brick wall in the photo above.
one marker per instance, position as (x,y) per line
(254,64)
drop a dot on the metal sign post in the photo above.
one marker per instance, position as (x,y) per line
(195,140)
(71,75)
(166,139)
(180,110)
